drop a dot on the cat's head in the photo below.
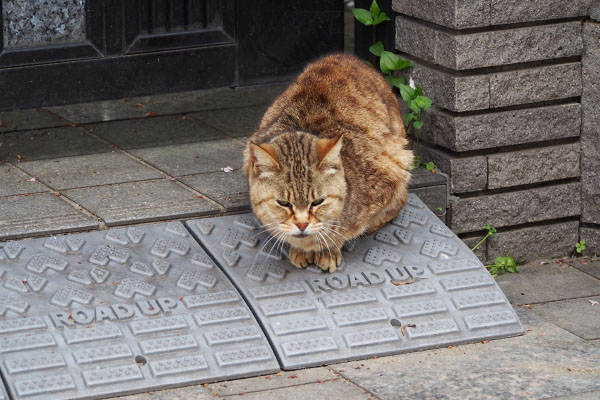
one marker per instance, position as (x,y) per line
(297,185)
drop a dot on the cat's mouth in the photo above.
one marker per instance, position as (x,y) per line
(301,235)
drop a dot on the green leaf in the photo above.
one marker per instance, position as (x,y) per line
(407,93)
(414,106)
(430,166)
(377,49)
(418,125)
(423,102)
(363,16)
(510,262)
(381,18)
(418,91)
(394,80)
(402,64)
(512,269)
(500,261)
(375,10)
(408,117)
(369,63)
(387,61)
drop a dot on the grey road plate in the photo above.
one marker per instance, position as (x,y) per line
(120,311)
(413,285)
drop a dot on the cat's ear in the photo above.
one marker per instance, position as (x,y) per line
(263,160)
(328,153)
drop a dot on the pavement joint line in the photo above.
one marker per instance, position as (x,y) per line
(347,379)
(63,197)
(238,139)
(274,389)
(555,301)
(147,164)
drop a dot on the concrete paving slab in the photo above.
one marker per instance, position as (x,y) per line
(154,131)
(536,283)
(579,316)
(274,381)
(13,181)
(580,396)
(588,265)
(141,201)
(41,213)
(98,111)
(194,158)
(89,170)
(411,286)
(337,389)
(212,99)
(234,122)
(49,143)
(547,362)
(29,119)
(120,311)
(184,393)
(228,189)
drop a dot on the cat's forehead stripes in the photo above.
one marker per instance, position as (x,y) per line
(298,160)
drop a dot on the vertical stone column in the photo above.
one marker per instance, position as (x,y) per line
(590,133)
(505,79)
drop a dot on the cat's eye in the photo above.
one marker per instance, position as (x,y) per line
(284,203)
(317,202)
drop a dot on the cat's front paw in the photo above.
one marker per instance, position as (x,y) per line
(328,260)
(300,258)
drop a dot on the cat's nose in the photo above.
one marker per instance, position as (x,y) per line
(302,226)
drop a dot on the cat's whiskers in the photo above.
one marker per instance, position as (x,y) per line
(271,237)
(332,231)
(333,242)
(326,244)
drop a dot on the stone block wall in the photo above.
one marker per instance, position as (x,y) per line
(516,122)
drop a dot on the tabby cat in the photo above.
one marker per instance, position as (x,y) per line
(329,160)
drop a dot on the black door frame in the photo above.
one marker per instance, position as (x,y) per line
(258,42)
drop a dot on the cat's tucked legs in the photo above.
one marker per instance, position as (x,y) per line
(301,258)
(328,260)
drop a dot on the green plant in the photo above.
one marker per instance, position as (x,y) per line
(389,64)
(502,265)
(490,231)
(580,246)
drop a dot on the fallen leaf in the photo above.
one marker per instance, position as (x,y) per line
(2,125)
(27,194)
(151,114)
(593,302)
(485,341)
(527,306)
(403,329)
(139,105)
(268,377)
(19,156)
(185,118)
(32,179)
(200,197)
(293,377)
(408,282)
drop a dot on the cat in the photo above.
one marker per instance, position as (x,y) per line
(329,162)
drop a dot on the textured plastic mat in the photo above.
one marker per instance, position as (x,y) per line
(120,311)
(412,285)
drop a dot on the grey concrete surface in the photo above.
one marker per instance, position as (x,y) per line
(141,201)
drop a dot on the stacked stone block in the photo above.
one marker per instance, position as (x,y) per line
(505,77)
(590,133)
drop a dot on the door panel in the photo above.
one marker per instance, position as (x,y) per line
(153,25)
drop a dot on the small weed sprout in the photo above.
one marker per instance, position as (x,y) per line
(502,265)
(580,246)
(389,63)
(490,231)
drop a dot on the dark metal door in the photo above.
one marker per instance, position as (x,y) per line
(63,51)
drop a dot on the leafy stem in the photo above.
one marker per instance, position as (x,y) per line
(490,231)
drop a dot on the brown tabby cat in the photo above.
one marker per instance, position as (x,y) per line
(328,162)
